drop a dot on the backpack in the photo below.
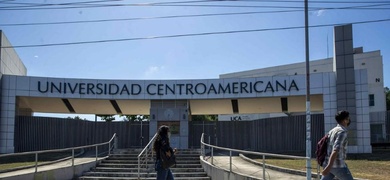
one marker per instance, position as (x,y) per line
(167,162)
(322,148)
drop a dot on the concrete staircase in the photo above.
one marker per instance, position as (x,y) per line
(123,164)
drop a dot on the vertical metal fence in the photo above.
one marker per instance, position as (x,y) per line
(380,127)
(276,135)
(42,133)
(282,134)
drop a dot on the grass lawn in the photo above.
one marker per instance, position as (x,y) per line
(15,165)
(375,166)
(11,162)
(365,169)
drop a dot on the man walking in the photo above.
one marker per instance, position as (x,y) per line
(334,164)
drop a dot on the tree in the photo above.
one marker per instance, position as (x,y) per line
(106,117)
(387,94)
(133,118)
(204,117)
(76,118)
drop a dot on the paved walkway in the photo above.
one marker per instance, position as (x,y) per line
(239,165)
(242,166)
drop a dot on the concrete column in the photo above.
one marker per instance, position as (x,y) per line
(7,119)
(346,93)
(173,113)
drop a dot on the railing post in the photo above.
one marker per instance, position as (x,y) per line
(230,155)
(318,171)
(201,149)
(264,167)
(202,146)
(36,162)
(209,142)
(212,155)
(96,155)
(115,142)
(109,148)
(72,157)
(139,168)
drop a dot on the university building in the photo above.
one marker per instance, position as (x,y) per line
(352,80)
(368,61)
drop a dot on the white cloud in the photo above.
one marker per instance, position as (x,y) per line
(320,12)
(153,70)
(36,56)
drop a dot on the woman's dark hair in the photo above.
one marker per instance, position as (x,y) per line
(341,115)
(161,133)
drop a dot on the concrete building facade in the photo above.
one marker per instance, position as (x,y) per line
(347,64)
(337,84)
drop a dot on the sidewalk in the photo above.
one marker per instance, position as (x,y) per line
(242,166)
(239,166)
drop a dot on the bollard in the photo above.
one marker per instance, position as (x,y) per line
(36,162)
(264,167)
(72,157)
(230,154)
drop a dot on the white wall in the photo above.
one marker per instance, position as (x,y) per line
(10,61)
(371,61)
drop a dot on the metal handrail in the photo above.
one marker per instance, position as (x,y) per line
(245,152)
(64,149)
(144,150)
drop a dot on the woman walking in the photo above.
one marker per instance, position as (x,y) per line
(162,143)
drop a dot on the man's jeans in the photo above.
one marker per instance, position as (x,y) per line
(340,173)
(163,174)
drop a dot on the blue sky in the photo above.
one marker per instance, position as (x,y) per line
(192,57)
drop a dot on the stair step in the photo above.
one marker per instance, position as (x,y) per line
(135,156)
(136,153)
(197,165)
(123,164)
(136,178)
(143,157)
(152,174)
(112,169)
(179,161)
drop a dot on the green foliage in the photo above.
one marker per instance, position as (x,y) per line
(76,118)
(133,118)
(106,117)
(204,117)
